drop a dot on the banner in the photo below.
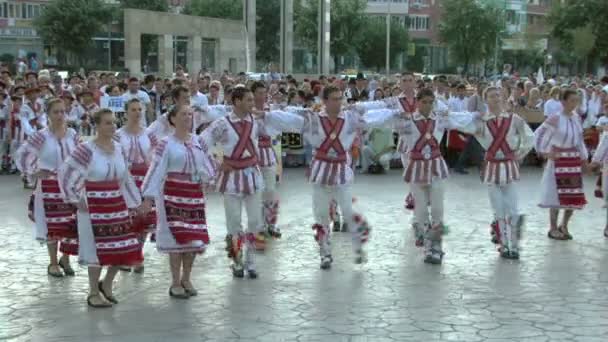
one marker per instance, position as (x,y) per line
(115,103)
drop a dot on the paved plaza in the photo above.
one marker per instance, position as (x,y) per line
(558,291)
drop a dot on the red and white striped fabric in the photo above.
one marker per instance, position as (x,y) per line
(185,209)
(425,160)
(60,216)
(241,168)
(116,242)
(146,223)
(330,161)
(267,155)
(501,166)
(569,178)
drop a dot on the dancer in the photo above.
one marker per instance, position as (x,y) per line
(331,134)
(32,119)
(96,179)
(600,160)
(138,146)
(559,139)
(40,157)
(506,138)
(426,170)
(268,165)
(240,179)
(180,168)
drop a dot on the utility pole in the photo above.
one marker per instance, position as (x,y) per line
(388,40)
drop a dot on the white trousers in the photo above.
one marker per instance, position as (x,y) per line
(503,199)
(367,159)
(423,195)
(321,198)
(233,205)
(270,199)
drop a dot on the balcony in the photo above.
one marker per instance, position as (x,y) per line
(383,7)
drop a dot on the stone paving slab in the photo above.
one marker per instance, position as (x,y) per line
(558,291)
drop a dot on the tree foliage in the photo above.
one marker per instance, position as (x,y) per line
(347,18)
(581,19)
(372,48)
(70,25)
(470,30)
(150,5)
(223,9)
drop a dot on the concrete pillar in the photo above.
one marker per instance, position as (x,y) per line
(324,36)
(165,54)
(250,17)
(195,55)
(133,51)
(286,36)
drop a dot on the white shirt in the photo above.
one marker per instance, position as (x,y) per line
(456,104)
(552,107)
(141,96)
(199,100)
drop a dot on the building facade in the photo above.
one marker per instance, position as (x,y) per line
(422,19)
(18,37)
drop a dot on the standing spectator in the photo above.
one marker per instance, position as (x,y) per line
(553,106)
(134,91)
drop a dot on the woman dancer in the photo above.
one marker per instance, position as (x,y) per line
(138,145)
(41,156)
(180,168)
(96,179)
(560,140)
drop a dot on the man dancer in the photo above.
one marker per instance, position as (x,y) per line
(425,169)
(506,138)
(240,179)
(268,164)
(331,134)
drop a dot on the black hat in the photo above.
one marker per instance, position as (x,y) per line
(352,81)
(360,77)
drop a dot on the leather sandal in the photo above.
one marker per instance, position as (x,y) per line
(67,269)
(56,274)
(111,299)
(556,235)
(97,306)
(178,295)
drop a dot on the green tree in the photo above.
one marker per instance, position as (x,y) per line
(347,18)
(574,20)
(71,24)
(372,48)
(150,5)
(223,9)
(470,30)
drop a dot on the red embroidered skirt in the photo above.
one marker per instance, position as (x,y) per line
(568,178)
(60,217)
(185,209)
(115,241)
(146,223)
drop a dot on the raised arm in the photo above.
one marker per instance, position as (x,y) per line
(377,118)
(465,122)
(283,121)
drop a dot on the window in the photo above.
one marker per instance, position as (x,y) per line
(419,23)
(36,11)
(11,11)
(3,10)
(23,11)
(30,11)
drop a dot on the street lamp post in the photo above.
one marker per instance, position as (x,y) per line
(388,39)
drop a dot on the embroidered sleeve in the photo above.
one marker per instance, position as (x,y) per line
(153,139)
(215,112)
(73,174)
(209,166)
(282,121)
(465,122)
(389,102)
(544,134)
(154,180)
(526,136)
(378,118)
(25,123)
(601,153)
(128,187)
(26,158)
(582,147)
(403,126)
(215,133)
